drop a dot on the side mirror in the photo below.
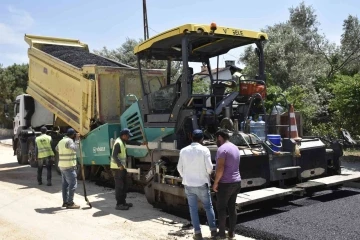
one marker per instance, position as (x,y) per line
(6,110)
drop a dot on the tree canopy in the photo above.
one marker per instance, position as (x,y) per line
(302,63)
(13,81)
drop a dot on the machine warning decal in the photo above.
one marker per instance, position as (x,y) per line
(45,70)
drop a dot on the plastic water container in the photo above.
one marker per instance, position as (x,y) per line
(252,125)
(260,128)
(276,140)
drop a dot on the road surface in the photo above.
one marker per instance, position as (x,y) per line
(326,215)
(29,211)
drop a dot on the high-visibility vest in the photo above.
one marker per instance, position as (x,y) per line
(43,146)
(67,157)
(121,155)
(237,76)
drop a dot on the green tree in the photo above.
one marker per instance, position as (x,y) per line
(350,46)
(13,81)
(200,85)
(346,103)
(303,63)
(291,54)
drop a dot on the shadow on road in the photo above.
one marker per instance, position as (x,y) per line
(334,195)
(51,210)
(100,214)
(4,166)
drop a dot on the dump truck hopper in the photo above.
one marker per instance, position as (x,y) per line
(81,88)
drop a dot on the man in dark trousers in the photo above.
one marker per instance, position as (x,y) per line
(43,154)
(118,167)
(227,182)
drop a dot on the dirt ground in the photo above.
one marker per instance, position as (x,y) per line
(30,211)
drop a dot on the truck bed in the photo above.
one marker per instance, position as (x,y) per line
(78,57)
(83,90)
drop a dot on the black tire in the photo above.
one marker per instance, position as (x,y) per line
(18,153)
(31,155)
(25,159)
(21,158)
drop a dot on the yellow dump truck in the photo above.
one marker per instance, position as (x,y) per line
(71,87)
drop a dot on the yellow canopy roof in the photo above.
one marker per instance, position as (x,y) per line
(205,44)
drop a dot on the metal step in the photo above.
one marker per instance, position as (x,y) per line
(251,197)
(330,181)
(288,168)
(338,179)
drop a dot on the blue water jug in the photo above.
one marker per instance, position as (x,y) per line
(260,129)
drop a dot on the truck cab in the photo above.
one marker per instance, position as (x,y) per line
(29,117)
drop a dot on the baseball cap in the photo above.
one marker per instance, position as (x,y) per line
(198,133)
(126,131)
(70,132)
(43,129)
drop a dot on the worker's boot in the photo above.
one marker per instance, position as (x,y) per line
(128,204)
(39,180)
(49,183)
(72,206)
(122,207)
(198,236)
(231,235)
(65,204)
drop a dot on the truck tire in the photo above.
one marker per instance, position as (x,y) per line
(31,155)
(18,153)
(21,158)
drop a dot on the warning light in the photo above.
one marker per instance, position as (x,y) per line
(213,27)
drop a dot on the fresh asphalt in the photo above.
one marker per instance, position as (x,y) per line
(326,215)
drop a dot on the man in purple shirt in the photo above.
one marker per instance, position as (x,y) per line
(227,182)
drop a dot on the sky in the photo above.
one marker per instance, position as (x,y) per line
(109,22)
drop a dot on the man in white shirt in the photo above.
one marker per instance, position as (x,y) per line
(195,167)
